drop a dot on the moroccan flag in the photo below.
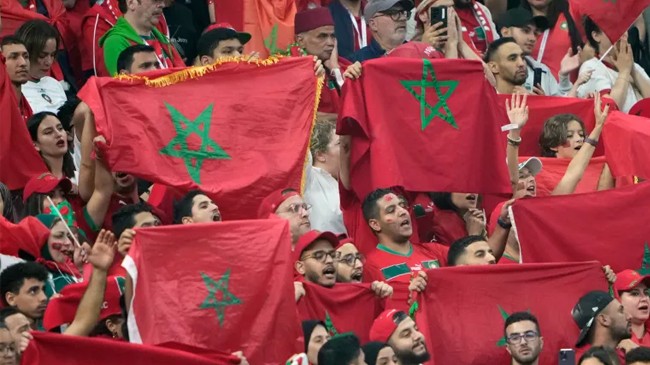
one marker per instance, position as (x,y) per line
(237,131)
(269,22)
(609,226)
(411,126)
(541,108)
(553,170)
(614,17)
(344,308)
(54,349)
(19,161)
(29,232)
(225,286)
(627,142)
(463,309)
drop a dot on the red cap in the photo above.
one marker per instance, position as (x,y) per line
(45,183)
(641,108)
(312,18)
(310,237)
(273,201)
(416,50)
(342,241)
(384,326)
(628,280)
(61,310)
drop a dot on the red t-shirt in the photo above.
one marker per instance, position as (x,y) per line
(89,227)
(557,43)
(356,225)
(643,341)
(384,264)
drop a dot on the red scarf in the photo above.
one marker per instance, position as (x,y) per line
(484,23)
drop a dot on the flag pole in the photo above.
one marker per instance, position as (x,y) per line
(56,210)
(612,46)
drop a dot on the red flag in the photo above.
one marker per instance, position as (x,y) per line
(345,307)
(411,126)
(483,297)
(553,170)
(627,141)
(242,134)
(19,161)
(54,349)
(608,226)
(614,17)
(269,22)
(541,108)
(29,232)
(228,288)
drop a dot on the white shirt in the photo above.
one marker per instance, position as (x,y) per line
(604,78)
(549,83)
(322,192)
(44,95)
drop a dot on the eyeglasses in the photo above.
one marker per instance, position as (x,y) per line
(295,208)
(395,14)
(7,349)
(528,336)
(351,259)
(321,256)
(639,293)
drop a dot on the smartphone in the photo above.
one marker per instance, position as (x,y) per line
(567,357)
(438,14)
(537,79)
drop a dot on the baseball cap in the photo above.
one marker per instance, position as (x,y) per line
(384,325)
(219,32)
(628,280)
(273,201)
(311,19)
(415,50)
(45,183)
(586,310)
(533,164)
(520,17)
(375,6)
(343,240)
(310,237)
(62,309)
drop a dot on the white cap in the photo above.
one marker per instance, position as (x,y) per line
(533,164)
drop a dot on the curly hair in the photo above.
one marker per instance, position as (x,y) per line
(555,132)
(321,136)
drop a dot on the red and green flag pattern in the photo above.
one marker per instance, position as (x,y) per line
(463,309)
(347,307)
(608,226)
(411,125)
(225,286)
(236,130)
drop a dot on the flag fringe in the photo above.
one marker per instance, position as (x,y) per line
(319,88)
(197,71)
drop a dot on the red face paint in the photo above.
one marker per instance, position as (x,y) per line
(57,246)
(388,198)
(390,220)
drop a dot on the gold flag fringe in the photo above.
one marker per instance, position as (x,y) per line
(319,88)
(195,72)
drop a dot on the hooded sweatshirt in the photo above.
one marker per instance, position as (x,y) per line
(122,35)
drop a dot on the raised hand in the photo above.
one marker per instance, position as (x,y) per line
(517,109)
(570,62)
(125,241)
(103,251)
(599,112)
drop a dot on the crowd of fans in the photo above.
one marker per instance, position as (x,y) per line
(539,47)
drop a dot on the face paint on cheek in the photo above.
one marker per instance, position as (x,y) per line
(390,220)
(57,246)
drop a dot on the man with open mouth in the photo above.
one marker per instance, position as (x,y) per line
(349,267)
(196,207)
(401,333)
(316,261)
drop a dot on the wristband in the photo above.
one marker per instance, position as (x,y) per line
(503,224)
(592,142)
(514,142)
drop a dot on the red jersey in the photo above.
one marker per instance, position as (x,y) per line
(555,42)
(384,264)
(90,228)
(643,341)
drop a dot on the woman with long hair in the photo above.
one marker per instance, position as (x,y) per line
(51,142)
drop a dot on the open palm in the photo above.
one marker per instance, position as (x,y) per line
(103,252)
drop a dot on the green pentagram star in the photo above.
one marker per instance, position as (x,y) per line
(177,147)
(423,84)
(212,301)
(645,264)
